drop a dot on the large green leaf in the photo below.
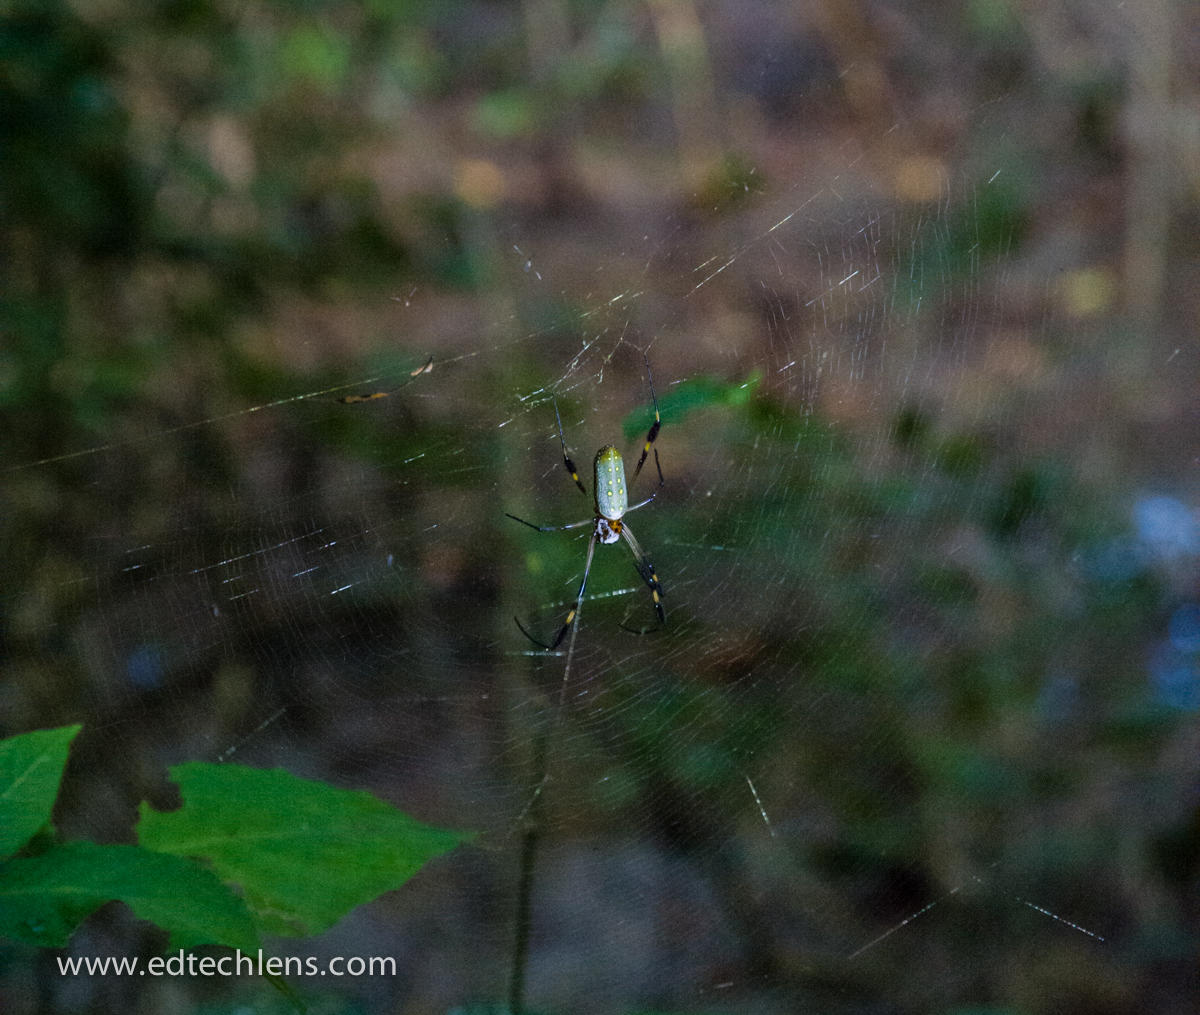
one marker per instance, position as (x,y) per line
(303,853)
(43,898)
(31,767)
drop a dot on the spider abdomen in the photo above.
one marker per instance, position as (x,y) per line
(612,499)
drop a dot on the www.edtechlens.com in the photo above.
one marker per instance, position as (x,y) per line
(236,964)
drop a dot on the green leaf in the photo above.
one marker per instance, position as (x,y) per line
(697,393)
(304,853)
(31,768)
(44,898)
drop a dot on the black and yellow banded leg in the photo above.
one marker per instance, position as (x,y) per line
(652,436)
(574,613)
(566,457)
(647,572)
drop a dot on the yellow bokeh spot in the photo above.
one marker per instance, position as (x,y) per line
(479,183)
(1087,292)
(920,178)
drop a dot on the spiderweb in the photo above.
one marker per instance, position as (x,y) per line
(869,762)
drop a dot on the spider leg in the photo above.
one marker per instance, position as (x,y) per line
(654,427)
(571,617)
(566,457)
(646,570)
(661,483)
(550,528)
(521,628)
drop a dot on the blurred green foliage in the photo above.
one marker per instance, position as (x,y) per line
(162,175)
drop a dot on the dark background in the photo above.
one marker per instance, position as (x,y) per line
(918,284)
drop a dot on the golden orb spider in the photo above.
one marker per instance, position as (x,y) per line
(611,499)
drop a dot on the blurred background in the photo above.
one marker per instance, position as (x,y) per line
(919,287)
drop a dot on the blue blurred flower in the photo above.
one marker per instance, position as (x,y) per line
(1176,676)
(145,665)
(1167,527)
(1184,628)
